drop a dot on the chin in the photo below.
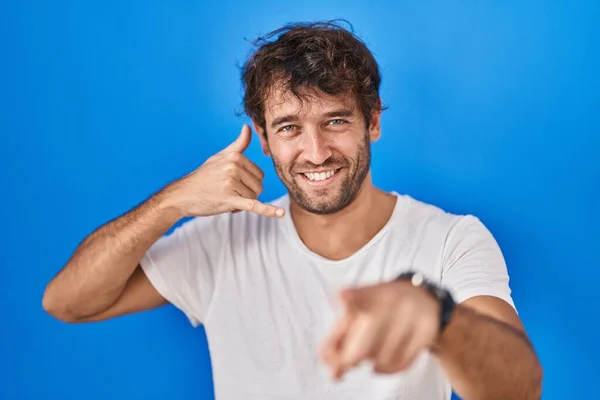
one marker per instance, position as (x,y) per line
(321,198)
(320,204)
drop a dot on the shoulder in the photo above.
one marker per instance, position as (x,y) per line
(428,216)
(433,220)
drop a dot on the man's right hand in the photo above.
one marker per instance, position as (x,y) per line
(226,182)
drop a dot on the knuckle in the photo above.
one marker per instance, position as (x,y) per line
(231,168)
(353,359)
(234,156)
(252,204)
(412,302)
(406,304)
(262,208)
(383,368)
(401,365)
(229,180)
(363,353)
(384,360)
(390,365)
(390,296)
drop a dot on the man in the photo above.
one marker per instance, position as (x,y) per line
(337,279)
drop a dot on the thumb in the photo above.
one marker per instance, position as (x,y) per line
(241,143)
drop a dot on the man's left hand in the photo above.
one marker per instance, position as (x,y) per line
(388,324)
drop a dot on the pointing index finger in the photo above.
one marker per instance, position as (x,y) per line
(256,207)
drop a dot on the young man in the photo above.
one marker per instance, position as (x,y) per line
(336,278)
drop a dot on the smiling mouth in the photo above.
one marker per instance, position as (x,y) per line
(320,176)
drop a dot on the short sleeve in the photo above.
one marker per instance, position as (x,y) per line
(182,266)
(473,264)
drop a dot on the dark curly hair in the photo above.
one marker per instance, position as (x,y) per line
(306,56)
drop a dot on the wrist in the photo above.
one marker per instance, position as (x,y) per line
(442,296)
(168,203)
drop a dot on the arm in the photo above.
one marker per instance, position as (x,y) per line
(107,262)
(104,279)
(483,350)
(485,357)
(486,353)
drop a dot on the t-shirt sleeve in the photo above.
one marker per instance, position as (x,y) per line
(473,264)
(182,266)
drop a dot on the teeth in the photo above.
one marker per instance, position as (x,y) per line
(319,176)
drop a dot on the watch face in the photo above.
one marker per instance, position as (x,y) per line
(417,279)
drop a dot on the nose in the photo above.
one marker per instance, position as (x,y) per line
(316,146)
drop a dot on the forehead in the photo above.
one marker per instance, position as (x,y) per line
(312,103)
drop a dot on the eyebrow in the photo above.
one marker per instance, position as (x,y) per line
(345,112)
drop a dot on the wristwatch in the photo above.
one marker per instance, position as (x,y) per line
(443,296)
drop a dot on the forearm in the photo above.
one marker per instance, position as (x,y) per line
(98,271)
(487,359)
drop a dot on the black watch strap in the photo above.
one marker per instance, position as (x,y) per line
(444,297)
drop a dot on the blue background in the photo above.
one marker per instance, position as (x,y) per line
(493,111)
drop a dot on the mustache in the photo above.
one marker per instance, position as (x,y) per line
(330,163)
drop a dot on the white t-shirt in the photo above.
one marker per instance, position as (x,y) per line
(267,302)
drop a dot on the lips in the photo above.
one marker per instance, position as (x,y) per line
(320,177)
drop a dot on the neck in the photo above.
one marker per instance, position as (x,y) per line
(336,236)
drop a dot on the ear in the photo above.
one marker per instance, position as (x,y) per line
(375,127)
(262,136)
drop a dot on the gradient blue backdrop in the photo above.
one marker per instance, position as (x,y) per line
(493,111)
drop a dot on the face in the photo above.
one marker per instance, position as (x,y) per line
(321,148)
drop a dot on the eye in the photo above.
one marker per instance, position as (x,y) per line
(337,121)
(287,128)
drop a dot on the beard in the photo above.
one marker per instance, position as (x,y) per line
(329,200)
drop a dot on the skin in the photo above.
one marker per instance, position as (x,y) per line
(484,350)
(103,278)
(315,141)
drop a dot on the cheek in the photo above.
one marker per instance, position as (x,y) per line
(349,147)
(284,154)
